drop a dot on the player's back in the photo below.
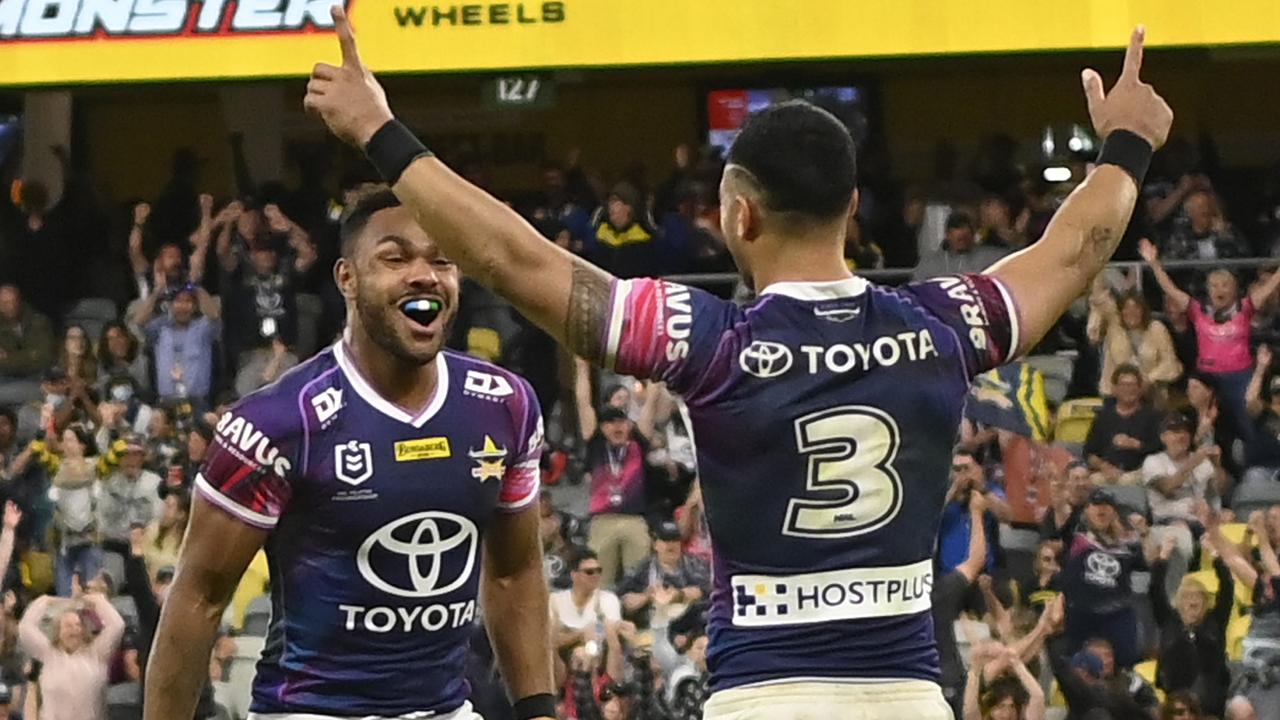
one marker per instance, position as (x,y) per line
(376,517)
(824,416)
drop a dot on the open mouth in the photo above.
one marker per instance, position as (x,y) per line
(422,311)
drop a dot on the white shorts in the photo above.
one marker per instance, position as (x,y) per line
(830,700)
(466,712)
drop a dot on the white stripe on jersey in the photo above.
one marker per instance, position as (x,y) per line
(211,493)
(621,289)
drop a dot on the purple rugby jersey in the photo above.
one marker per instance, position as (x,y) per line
(824,415)
(376,518)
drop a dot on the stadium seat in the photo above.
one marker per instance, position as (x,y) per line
(124,701)
(257,617)
(1147,671)
(1132,497)
(1250,496)
(1075,418)
(92,314)
(127,608)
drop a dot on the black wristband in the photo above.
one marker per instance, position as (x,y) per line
(392,148)
(1129,152)
(540,705)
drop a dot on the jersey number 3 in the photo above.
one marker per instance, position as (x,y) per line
(850,452)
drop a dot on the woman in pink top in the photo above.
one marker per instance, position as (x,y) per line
(1222,329)
(73,679)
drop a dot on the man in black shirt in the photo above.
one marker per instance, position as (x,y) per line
(1125,431)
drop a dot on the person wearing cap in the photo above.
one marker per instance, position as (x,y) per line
(128,498)
(1095,578)
(662,587)
(183,340)
(959,252)
(617,465)
(1124,432)
(625,242)
(1177,478)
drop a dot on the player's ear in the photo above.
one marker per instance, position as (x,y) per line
(853,205)
(344,276)
(747,217)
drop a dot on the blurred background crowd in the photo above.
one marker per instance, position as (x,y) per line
(1109,547)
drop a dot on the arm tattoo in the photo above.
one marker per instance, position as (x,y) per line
(1102,243)
(588,314)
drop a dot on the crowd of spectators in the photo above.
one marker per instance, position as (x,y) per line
(1152,591)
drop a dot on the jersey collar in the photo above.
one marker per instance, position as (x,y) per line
(385,406)
(815,291)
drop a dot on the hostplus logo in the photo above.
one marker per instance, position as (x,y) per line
(72,19)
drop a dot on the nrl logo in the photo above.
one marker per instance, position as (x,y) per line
(70,19)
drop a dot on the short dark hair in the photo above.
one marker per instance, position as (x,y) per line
(802,157)
(370,199)
(9,414)
(1125,369)
(581,555)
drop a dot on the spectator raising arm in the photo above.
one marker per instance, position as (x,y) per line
(200,239)
(225,223)
(1087,228)
(299,241)
(1178,298)
(147,308)
(30,636)
(1227,551)
(12,516)
(1261,292)
(137,257)
(1266,551)
(582,395)
(976,561)
(1253,403)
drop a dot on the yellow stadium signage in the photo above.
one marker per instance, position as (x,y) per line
(84,41)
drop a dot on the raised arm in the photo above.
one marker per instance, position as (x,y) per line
(1253,404)
(147,309)
(563,295)
(1260,292)
(200,239)
(1266,551)
(108,638)
(1227,551)
(1087,228)
(30,637)
(1176,295)
(976,561)
(208,307)
(582,396)
(137,258)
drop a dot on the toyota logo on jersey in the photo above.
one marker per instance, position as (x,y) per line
(422,555)
(765,359)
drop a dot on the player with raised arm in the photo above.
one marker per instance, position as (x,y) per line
(826,410)
(391,482)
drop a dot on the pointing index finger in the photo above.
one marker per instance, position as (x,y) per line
(1133,56)
(346,37)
